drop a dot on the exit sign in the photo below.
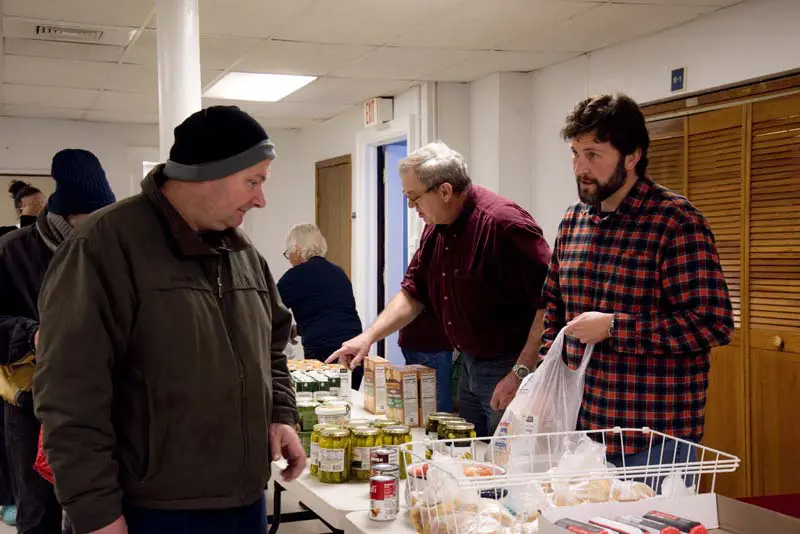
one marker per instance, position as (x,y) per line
(377,111)
(678,79)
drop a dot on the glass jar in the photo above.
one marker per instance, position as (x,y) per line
(398,436)
(383,423)
(461,450)
(352,423)
(334,455)
(363,440)
(308,416)
(332,414)
(441,434)
(313,457)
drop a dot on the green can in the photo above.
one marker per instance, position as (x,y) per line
(308,417)
(334,455)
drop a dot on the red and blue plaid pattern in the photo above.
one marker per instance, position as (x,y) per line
(654,264)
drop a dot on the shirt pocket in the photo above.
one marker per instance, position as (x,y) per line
(631,284)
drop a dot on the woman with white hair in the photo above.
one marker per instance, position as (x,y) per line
(320,296)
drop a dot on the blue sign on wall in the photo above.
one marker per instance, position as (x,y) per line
(678,82)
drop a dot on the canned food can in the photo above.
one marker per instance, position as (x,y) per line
(383,456)
(384,498)
(385,469)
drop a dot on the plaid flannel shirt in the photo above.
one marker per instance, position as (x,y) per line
(654,264)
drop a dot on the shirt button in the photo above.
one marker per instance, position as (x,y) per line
(447,248)
(445,297)
(443,274)
(449,323)
(455,272)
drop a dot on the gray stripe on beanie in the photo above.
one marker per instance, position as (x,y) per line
(216,170)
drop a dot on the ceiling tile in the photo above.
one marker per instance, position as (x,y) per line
(307,110)
(274,123)
(39,112)
(54,72)
(249,18)
(57,97)
(478,24)
(347,90)
(485,63)
(120,101)
(605,25)
(362,21)
(216,51)
(252,108)
(403,63)
(117,12)
(121,116)
(287,57)
(701,3)
(61,50)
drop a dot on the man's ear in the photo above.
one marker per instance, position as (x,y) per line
(632,159)
(445,191)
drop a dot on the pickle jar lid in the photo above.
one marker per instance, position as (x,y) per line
(441,414)
(331,410)
(365,431)
(397,429)
(381,423)
(322,426)
(456,427)
(337,432)
(307,404)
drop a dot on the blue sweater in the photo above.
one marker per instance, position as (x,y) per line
(321,298)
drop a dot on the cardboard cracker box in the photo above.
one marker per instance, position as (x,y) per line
(426,378)
(375,371)
(403,395)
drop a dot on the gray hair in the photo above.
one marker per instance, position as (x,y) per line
(308,238)
(435,164)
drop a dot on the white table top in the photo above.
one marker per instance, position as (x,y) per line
(332,502)
(358,522)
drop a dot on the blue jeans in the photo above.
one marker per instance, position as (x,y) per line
(475,390)
(443,363)
(251,519)
(684,454)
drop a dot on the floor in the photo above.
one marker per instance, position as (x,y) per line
(287,505)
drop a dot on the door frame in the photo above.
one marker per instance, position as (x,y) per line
(365,228)
(324,164)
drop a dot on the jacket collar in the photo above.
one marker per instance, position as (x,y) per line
(187,240)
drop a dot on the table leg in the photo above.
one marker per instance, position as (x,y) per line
(276,508)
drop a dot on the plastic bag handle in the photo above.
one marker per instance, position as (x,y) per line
(558,342)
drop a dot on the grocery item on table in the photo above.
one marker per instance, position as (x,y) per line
(363,441)
(334,455)
(398,436)
(402,395)
(308,415)
(375,371)
(441,429)
(384,497)
(384,456)
(313,462)
(431,430)
(682,524)
(352,423)
(385,469)
(305,441)
(383,423)
(333,414)
(579,527)
(463,434)
(426,379)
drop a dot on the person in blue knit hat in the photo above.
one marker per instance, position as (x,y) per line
(25,255)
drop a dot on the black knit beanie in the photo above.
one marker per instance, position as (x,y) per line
(216,142)
(81,184)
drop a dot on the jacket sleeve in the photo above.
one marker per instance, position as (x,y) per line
(80,334)
(700,314)
(284,405)
(16,333)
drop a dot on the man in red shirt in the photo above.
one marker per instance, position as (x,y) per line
(634,270)
(480,268)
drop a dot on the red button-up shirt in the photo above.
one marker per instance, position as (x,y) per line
(654,264)
(424,334)
(482,275)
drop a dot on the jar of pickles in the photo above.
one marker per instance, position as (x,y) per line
(352,423)
(441,429)
(398,436)
(461,450)
(334,455)
(333,414)
(363,440)
(308,417)
(383,423)
(313,457)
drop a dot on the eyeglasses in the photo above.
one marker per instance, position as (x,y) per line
(286,254)
(417,198)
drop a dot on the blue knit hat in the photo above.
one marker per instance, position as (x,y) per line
(81,184)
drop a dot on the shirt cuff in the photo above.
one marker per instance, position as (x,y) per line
(88,515)
(627,334)
(285,415)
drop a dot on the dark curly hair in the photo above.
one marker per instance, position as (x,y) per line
(19,190)
(614,119)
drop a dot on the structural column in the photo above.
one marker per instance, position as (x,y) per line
(179,82)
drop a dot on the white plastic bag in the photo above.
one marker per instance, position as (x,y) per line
(548,400)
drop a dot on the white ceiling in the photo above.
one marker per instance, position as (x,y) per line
(357,48)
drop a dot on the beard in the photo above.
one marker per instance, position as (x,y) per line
(596,193)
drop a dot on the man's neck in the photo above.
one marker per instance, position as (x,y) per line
(176,196)
(612,203)
(457,206)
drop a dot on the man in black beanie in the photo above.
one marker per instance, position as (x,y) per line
(165,399)
(25,256)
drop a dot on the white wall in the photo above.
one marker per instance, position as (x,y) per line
(453,116)
(485,131)
(749,40)
(28,146)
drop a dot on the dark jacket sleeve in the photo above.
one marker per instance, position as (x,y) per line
(16,333)
(284,405)
(84,319)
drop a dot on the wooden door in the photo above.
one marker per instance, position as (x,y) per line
(774,221)
(716,162)
(667,154)
(334,206)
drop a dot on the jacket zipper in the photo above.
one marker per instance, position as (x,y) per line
(239,366)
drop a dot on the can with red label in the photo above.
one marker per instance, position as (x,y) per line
(383,456)
(384,497)
(385,469)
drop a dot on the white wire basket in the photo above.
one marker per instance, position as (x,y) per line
(554,469)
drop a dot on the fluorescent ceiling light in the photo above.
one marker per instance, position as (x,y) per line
(257,87)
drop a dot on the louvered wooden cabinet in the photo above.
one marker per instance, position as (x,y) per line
(740,165)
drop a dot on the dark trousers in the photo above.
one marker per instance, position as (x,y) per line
(250,519)
(6,494)
(479,377)
(38,511)
(323,354)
